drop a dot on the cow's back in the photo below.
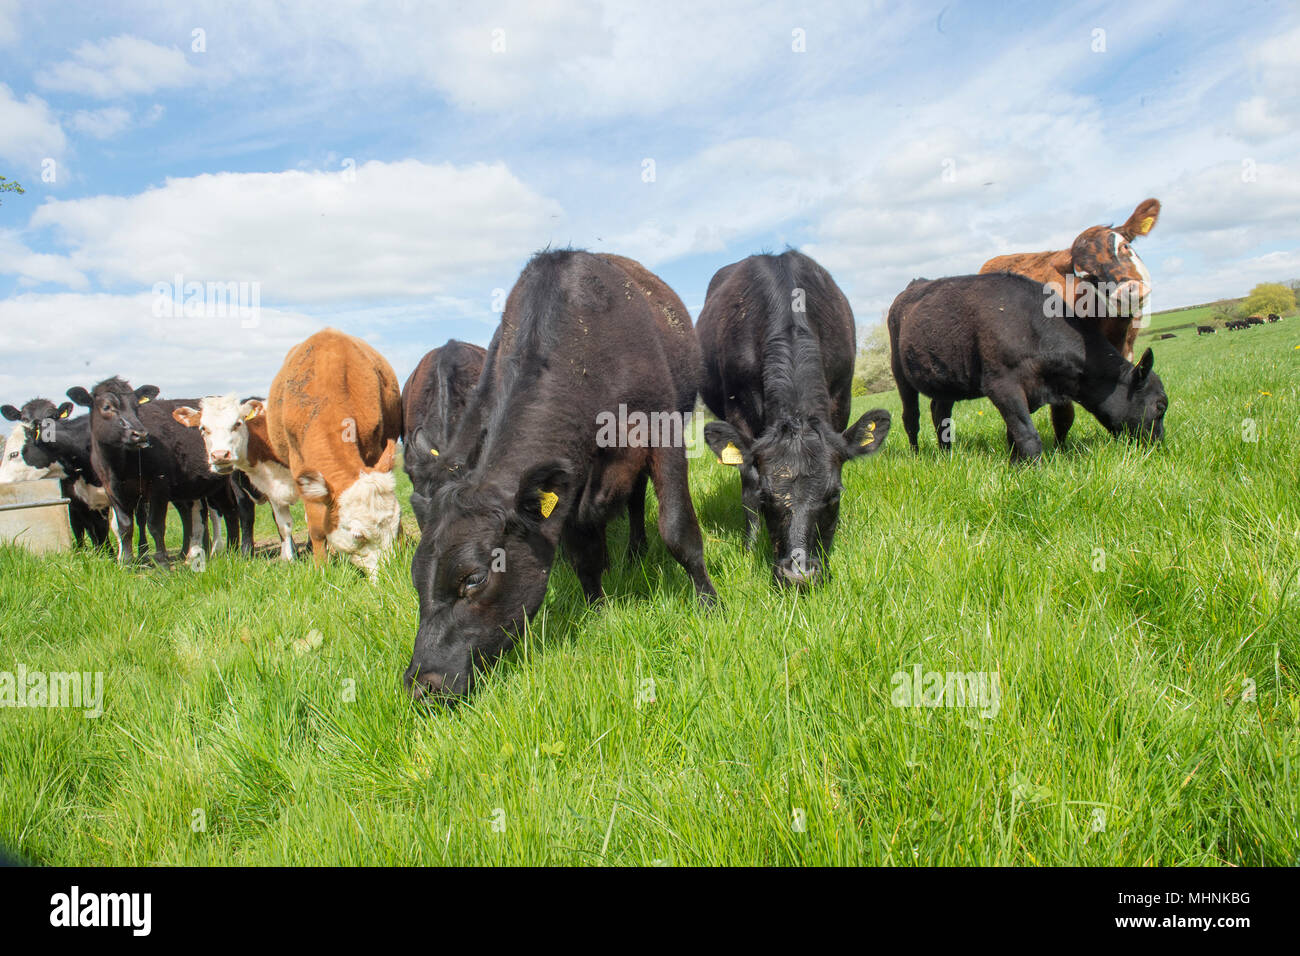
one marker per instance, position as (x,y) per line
(330,384)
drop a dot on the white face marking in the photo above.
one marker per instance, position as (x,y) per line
(221,421)
(13,468)
(368,519)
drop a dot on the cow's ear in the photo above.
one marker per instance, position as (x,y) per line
(422,444)
(542,490)
(312,486)
(251,409)
(867,434)
(65,410)
(1142,221)
(79,395)
(1144,366)
(11,413)
(189,417)
(387,458)
(731,447)
(146,393)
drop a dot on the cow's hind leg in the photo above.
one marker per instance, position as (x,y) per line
(941,416)
(636,540)
(677,522)
(1062,419)
(911,408)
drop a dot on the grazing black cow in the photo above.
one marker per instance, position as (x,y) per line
(1169,335)
(140,454)
(432,401)
(551,447)
(1205,330)
(996,336)
(779,342)
(1237,325)
(53,437)
(1255,320)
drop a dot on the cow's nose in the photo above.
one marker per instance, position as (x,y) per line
(421,683)
(221,455)
(801,574)
(138,435)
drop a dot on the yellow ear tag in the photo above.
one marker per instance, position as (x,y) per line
(731,455)
(65,414)
(546,502)
(433,452)
(250,416)
(1147,223)
(142,401)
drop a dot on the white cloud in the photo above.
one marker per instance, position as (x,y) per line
(34,268)
(118,66)
(29,131)
(396,230)
(1275,69)
(8,22)
(101,124)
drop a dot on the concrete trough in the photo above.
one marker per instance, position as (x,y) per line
(34,514)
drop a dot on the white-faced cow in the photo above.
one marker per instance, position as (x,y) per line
(779,342)
(235,436)
(1115,291)
(334,415)
(12,466)
(536,461)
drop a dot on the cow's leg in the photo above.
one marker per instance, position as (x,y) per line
(636,541)
(192,529)
(911,408)
(121,524)
(247,513)
(1026,445)
(77,519)
(284,525)
(941,415)
(748,493)
(586,550)
(677,523)
(158,526)
(1062,419)
(316,512)
(142,524)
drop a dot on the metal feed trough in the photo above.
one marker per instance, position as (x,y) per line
(34,514)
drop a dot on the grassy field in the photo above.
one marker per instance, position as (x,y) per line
(1140,609)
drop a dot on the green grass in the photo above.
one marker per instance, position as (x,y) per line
(1122,735)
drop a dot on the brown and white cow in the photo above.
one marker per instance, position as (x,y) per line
(1104,255)
(334,415)
(235,436)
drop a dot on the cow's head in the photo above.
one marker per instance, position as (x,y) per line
(1105,255)
(791,476)
(37,421)
(481,571)
(114,412)
(1136,403)
(223,421)
(362,517)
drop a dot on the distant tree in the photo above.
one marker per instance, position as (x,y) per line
(10,186)
(1269,297)
(872,371)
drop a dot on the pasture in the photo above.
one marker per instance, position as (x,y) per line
(1140,609)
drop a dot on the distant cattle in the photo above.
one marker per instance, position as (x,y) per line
(334,415)
(1206,330)
(1236,325)
(235,437)
(987,335)
(587,388)
(779,341)
(1104,257)
(1274,317)
(143,458)
(53,440)
(1169,335)
(433,399)
(1255,320)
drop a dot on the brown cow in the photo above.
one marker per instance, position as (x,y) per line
(1105,255)
(335,415)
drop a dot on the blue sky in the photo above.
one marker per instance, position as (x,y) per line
(385,168)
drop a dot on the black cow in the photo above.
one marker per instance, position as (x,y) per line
(1205,330)
(53,437)
(1255,320)
(1274,317)
(1169,335)
(587,344)
(1237,325)
(779,342)
(140,454)
(432,401)
(998,336)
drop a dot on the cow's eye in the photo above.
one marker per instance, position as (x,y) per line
(472,582)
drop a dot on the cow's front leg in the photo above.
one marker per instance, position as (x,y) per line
(317,512)
(1062,419)
(1026,445)
(121,524)
(584,545)
(678,525)
(284,525)
(158,528)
